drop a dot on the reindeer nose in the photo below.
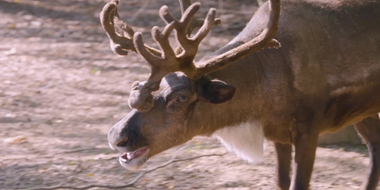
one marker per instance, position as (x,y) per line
(116,137)
(122,142)
(123,134)
(116,141)
(126,143)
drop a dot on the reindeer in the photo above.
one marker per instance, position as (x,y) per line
(323,76)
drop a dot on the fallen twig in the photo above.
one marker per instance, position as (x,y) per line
(131,183)
(75,151)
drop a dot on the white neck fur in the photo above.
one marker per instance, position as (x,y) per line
(246,140)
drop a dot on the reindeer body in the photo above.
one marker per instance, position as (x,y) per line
(325,76)
(326,73)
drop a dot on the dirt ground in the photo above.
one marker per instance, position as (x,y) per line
(61,89)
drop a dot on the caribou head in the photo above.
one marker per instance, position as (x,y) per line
(179,100)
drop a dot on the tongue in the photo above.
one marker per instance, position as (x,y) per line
(131,155)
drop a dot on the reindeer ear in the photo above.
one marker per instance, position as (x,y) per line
(216,91)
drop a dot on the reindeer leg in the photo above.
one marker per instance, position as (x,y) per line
(284,157)
(369,129)
(305,147)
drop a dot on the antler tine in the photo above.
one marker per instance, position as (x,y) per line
(195,22)
(190,49)
(264,40)
(189,46)
(120,43)
(162,38)
(208,23)
(106,19)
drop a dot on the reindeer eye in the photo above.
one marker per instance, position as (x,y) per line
(181,99)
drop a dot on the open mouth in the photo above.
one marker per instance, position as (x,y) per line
(135,158)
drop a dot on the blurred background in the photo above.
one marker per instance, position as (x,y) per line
(62,88)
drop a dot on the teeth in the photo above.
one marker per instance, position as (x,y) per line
(129,155)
